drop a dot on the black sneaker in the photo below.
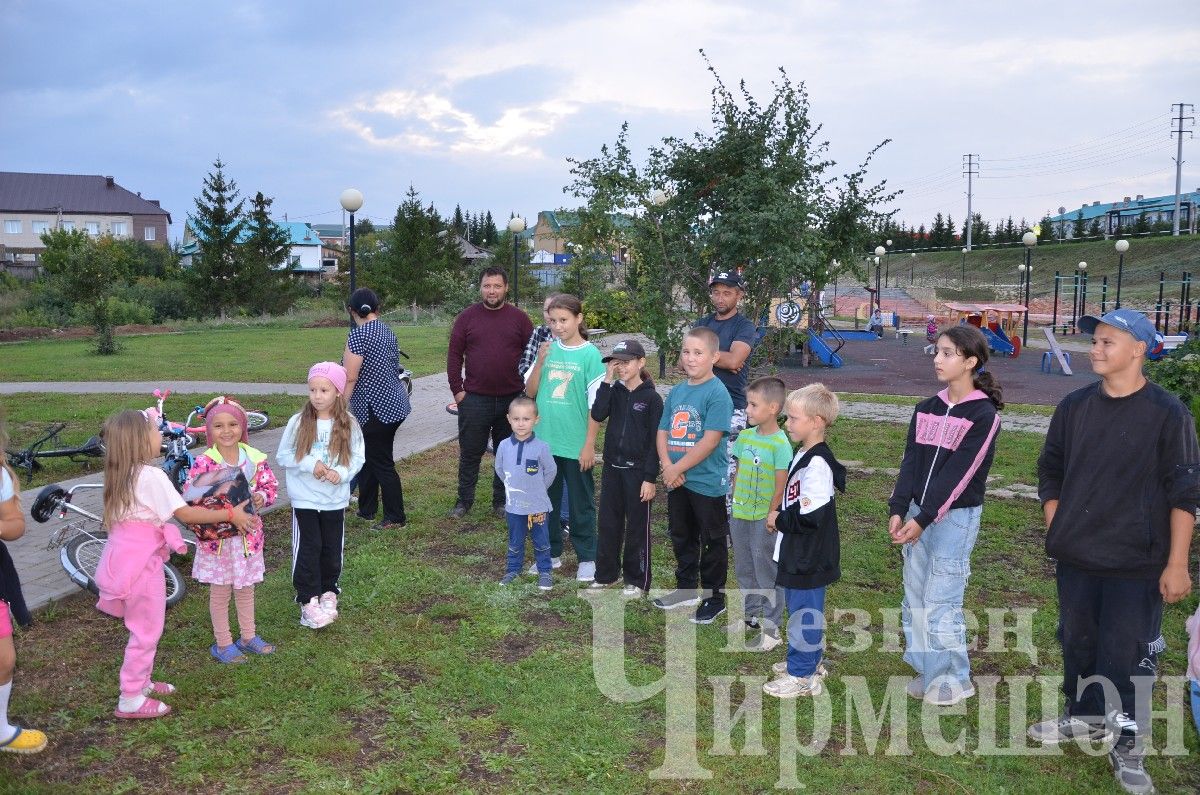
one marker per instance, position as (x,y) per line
(709,609)
(1129,768)
(459,511)
(752,622)
(1067,728)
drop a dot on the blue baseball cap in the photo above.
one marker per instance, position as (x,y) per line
(1128,320)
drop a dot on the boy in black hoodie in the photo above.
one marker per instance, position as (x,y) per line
(1119,480)
(633,408)
(808,549)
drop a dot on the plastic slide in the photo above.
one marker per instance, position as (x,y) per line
(998,341)
(823,352)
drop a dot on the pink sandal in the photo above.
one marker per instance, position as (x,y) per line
(148,709)
(159,688)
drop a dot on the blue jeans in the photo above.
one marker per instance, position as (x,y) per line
(1195,691)
(805,629)
(936,567)
(520,526)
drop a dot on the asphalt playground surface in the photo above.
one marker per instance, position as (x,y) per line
(889,366)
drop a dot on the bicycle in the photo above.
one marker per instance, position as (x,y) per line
(27,459)
(255,420)
(81,541)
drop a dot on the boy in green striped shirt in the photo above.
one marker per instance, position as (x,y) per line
(762,456)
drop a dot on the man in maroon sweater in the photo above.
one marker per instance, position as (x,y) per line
(488,338)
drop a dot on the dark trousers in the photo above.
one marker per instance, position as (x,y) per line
(378,475)
(581,506)
(623,519)
(699,531)
(480,417)
(1108,627)
(317,540)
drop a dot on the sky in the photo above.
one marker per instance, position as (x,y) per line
(479,104)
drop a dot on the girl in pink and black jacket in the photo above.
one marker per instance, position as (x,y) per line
(935,511)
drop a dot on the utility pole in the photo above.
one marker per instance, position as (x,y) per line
(1179,158)
(971,165)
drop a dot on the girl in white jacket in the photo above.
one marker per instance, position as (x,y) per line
(321,450)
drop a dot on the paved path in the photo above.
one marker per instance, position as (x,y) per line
(148,387)
(429,425)
(42,576)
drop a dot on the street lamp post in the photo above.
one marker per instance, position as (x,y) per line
(516,225)
(963,283)
(1030,240)
(887,260)
(1122,247)
(880,251)
(1082,288)
(912,269)
(352,201)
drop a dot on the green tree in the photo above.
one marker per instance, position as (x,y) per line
(362,228)
(937,232)
(264,275)
(753,191)
(1078,226)
(487,228)
(415,261)
(1095,229)
(217,225)
(89,271)
(1049,230)
(1142,225)
(459,223)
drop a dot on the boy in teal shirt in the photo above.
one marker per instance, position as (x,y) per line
(696,474)
(762,456)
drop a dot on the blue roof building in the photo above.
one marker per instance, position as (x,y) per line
(1115,215)
(304,246)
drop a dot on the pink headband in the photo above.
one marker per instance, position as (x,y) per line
(332,371)
(224,405)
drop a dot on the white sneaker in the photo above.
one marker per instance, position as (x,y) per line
(312,616)
(947,692)
(915,687)
(328,603)
(587,571)
(765,641)
(794,686)
(555,563)
(632,591)
(780,668)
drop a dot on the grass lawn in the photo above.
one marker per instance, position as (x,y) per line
(259,355)
(29,413)
(437,679)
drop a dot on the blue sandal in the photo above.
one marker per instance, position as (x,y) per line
(255,645)
(227,655)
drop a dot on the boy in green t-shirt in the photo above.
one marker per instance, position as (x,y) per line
(696,474)
(762,455)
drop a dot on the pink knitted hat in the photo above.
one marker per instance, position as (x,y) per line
(224,405)
(331,370)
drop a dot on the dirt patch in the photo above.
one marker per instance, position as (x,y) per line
(544,619)
(515,648)
(26,333)
(327,322)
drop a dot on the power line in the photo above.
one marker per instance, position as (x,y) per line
(1089,142)
(1179,158)
(972,170)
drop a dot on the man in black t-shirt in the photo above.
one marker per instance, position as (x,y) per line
(736,335)
(1119,480)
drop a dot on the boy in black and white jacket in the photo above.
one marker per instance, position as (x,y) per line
(807,549)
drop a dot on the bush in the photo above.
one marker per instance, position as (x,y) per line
(120,313)
(167,299)
(612,310)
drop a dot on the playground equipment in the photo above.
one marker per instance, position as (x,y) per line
(1001,332)
(1064,358)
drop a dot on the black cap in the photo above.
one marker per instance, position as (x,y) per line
(730,278)
(626,350)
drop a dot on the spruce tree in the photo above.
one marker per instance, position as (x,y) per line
(937,232)
(265,272)
(488,228)
(459,224)
(1078,227)
(217,225)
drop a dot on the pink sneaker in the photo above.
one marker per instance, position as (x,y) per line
(329,604)
(313,616)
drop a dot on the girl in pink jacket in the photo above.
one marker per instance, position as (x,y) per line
(139,503)
(232,566)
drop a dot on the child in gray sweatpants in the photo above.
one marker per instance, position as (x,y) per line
(762,454)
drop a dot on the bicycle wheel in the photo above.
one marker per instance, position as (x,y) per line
(177,471)
(176,585)
(256,420)
(81,556)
